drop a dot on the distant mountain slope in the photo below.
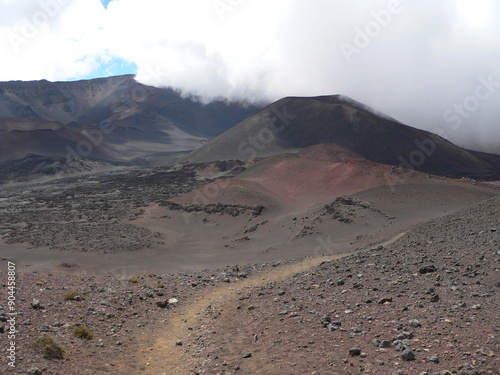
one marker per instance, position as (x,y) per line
(122,119)
(294,123)
(36,167)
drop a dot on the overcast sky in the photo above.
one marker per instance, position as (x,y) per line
(431,64)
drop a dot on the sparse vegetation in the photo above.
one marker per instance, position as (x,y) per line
(72,295)
(83,333)
(160,286)
(48,348)
(39,283)
(133,280)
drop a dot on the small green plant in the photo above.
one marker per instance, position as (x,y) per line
(48,348)
(160,286)
(71,296)
(39,283)
(133,280)
(83,333)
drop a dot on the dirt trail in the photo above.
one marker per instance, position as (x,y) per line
(165,358)
(392,240)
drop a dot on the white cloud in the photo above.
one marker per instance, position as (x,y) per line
(423,58)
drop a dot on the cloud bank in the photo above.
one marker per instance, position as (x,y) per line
(432,65)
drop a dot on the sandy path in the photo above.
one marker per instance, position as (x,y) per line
(165,358)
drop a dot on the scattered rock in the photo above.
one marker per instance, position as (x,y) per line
(247,355)
(427,269)
(36,304)
(355,351)
(34,371)
(163,304)
(385,300)
(400,347)
(434,359)
(415,323)
(325,320)
(385,344)
(435,298)
(408,355)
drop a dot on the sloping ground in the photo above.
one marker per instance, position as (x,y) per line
(434,291)
(37,167)
(315,175)
(292,124)
(21,137)
(122,118)
(288,206)
(314,203)
(427,303)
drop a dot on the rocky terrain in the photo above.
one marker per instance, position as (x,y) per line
(319,253)
(78,213)
(425,303)
(119,311)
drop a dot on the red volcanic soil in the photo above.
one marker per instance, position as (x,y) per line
(315,175)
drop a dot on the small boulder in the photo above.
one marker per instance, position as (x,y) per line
(427,269)
(385,300)
(434,359)
(355,351)
(163,304)
(36,304)
(408,355)
(34,371)
(415,323)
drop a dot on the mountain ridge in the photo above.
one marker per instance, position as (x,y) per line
(295,123)
(124,118)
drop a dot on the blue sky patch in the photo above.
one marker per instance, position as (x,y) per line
(114,67)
